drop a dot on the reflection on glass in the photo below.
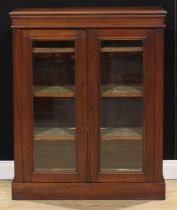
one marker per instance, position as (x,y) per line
(121,106)
(54,106)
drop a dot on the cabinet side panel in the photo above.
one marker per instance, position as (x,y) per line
(149,101)
(17,105)
(159,80)
(26,81)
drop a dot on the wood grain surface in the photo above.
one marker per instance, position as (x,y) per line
(93,173)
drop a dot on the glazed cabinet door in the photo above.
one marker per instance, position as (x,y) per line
(121,105)
(54,106)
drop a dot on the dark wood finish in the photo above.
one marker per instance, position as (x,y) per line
(81,96)
(148,101)
(17,92)
(86,27)
(26,110)
(27,107)
(155,11)
(94,191)
(79,17)
(93,97)
(159,101)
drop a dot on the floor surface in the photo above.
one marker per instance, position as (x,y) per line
(6,203)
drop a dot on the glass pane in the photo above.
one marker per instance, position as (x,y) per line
(54,106)
(121,106)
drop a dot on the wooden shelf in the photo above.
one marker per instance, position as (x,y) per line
(122,133)
(107,91)
(122,49)
(53,91)
(72,50)
(54,134)
(53,50)
(113,170)
(53,170)
(122,91)
(57,134)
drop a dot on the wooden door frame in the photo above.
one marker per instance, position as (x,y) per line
(79,37)
(94,71)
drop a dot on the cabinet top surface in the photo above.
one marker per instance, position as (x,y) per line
(88,17)
(89,11)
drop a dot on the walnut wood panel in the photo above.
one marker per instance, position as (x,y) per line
(79,17)
(93,97)
(159,96)
(27,116)
(126,191)
(27,101)
(17,91)
(149,101)
(91,25)
(94,102)
(84,22)
(88,11)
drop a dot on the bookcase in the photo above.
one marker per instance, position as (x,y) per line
(88,103)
